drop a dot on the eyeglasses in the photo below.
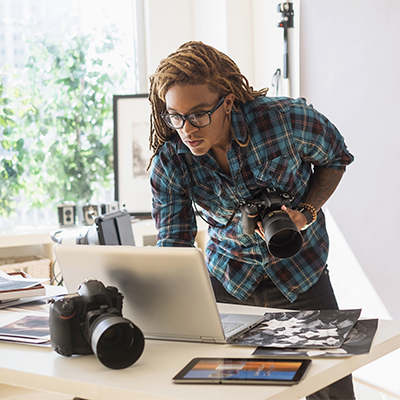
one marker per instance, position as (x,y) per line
(197,119)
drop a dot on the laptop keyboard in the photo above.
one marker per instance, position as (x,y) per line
(230,326)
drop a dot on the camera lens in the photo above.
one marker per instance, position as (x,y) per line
(116,341)
(282,238)
(281,235)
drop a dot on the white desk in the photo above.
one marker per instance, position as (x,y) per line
(150,377)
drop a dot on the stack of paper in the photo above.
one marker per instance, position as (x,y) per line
(313,333)
(302,329)
(357,342)
(16,285)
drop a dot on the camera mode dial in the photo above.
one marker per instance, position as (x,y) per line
(67,308)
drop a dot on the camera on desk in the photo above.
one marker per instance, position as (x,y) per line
(90,212)
(107,208)
(90,321)
(66,214)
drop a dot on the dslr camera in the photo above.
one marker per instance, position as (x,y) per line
(282,237)
(90,321)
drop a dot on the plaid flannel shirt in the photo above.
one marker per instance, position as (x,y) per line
(287,138)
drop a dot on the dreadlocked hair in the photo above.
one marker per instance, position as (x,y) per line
(194,63)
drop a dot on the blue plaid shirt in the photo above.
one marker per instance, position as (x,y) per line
(287,137)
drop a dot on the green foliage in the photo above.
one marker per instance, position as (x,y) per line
(56,119)
(12,155)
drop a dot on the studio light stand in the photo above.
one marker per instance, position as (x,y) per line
(287,13)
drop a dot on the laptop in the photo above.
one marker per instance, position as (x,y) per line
(167,291)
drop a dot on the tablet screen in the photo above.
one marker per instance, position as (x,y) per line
(243,370)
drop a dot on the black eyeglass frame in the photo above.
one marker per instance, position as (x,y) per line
(185,117)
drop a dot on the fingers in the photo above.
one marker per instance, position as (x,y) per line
(260,230)
(296,216)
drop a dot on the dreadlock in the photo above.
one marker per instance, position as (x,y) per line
(194,63)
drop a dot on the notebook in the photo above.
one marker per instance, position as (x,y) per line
(167,290)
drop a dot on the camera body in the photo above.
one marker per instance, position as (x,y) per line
(90,212)
(66,214)
(71,316)
(90,321)
(282,237)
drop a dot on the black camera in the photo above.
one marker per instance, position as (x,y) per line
(90,321)
(282,237)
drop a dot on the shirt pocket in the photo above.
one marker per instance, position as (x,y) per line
(278,173)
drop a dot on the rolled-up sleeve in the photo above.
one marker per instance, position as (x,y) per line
(319,141)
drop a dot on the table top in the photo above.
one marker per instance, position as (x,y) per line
(150,377)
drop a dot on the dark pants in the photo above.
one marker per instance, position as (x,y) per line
(318,297)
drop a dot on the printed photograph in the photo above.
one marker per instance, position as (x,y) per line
(303,329)
(358,341)
(28,326)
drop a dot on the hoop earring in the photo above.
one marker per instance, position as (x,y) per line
(237,140)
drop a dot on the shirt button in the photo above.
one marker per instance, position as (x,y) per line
(241,187)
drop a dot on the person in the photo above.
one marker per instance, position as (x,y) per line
(217,144)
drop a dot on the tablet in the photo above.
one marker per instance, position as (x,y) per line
(262,371)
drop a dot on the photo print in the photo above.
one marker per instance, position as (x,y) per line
(131,153)
(358,341)
(303,329)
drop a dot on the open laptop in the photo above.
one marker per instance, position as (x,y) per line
(167,290)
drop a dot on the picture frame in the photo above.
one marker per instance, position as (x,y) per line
(132,154)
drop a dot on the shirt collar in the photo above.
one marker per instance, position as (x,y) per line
(239,125)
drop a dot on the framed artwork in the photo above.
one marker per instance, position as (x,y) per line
(132,153)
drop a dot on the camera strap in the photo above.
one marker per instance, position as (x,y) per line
(189,162)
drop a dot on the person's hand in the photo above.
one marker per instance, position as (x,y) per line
(260,230)
(297,217)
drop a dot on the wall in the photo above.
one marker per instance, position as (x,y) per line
(246,30)
(349,69)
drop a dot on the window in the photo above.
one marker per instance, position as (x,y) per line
(61,63)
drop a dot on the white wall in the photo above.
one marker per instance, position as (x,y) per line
(349,69)
(246,30)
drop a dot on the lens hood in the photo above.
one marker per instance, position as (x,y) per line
(116,341)
(283,238)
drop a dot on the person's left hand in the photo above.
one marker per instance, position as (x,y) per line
(297,217)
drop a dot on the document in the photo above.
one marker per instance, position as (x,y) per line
(16,285)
